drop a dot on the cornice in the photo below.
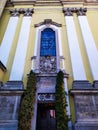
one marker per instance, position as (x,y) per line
(21,2)
(47,22)
(51,2)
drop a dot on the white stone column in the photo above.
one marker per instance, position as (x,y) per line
(75,54)
(20,55)
(89,44)
(8,38)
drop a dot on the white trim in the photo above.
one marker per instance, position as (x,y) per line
(89,43)
(76,59)
(33,67)
(15,107)
(20,55)
(8,40)
(67,100)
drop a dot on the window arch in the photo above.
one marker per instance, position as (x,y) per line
(48,43)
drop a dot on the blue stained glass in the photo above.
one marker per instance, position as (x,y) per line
(48,43)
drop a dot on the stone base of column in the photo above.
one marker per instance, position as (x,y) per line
(86,126)
(81,84)
(10,96)
(86,108)
(13,85)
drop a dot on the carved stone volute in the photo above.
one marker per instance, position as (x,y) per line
(68,11)
(15,12)
(81,11)
(28,11)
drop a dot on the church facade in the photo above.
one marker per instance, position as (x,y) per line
(48,36)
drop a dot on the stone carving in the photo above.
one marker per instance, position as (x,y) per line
(28,12)
(46,97)
(47,64)
(15,12)
(68,11)
(81,11)
(18,11)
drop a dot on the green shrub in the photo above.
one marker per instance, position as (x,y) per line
(60,104)
(27,103)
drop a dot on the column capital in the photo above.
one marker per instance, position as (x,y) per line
(15,12)
(81,11)
(68,11)
(28,11)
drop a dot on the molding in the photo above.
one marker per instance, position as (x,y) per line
(20,2)
(12,86)
(84,88)
(14,12)
(48,22)
(81,84)
(84,92)
(3,67)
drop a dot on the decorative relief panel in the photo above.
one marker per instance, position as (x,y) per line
(86,107)
(48,64)
(46,97)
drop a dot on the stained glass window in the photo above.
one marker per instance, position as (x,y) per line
(48,43)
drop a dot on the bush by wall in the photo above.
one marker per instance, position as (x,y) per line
(27,104)
(60,104)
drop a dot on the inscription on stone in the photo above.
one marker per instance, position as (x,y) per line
(47,85)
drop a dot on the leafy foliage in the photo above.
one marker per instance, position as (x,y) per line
(27,104)
(60,104)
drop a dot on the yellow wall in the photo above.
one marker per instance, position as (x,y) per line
(56,14)
(92,17)
(3,23)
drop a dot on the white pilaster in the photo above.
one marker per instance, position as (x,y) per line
(76,59)
(67,100)
(19,60)
(8,40)
(35,51)
(60,50)
(89,45)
